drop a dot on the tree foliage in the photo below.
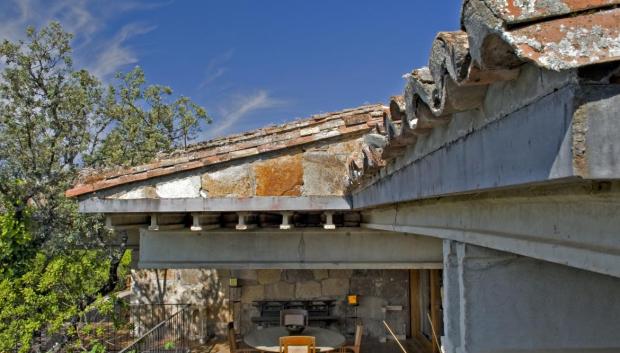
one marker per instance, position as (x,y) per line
(54,121)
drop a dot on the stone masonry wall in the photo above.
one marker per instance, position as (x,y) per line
(313,170)
(214,304)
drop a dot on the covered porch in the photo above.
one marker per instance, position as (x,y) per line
(241,267)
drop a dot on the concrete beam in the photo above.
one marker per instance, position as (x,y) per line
(223,204)
(571,133)
(343,248)
(574,225)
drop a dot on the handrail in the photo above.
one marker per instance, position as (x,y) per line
(133,345)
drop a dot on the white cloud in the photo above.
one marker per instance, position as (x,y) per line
(86,19)
(216,68)
(115,53)
(241,107)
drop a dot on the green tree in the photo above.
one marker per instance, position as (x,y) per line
(54,121)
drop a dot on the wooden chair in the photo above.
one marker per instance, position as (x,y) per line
(232,342)
(297,341)
(357,342)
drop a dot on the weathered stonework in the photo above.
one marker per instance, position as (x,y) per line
(280,176)
(210,292)
(236,181)
(142,192)
(320,274)
(252,293)
(188,187)
(279,290)
(324,173)
(308,290)
(268,276)
(340,273)
(293,276)
(335,287)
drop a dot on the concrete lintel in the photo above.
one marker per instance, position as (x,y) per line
(259,203)
(574,226)
(569,134)
(293,265)
(346,248)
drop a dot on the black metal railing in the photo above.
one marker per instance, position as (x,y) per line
(169,335)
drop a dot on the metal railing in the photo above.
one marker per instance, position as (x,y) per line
(170,335)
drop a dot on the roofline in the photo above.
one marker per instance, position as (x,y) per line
(197,160)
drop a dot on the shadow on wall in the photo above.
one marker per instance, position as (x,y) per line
(206,291)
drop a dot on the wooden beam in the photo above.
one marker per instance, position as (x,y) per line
(436,317)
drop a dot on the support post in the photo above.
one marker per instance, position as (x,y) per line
(154,225)
(329,221)
(242,219)
(108,223)
(286,220)
(196,226)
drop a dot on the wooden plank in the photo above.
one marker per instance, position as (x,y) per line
(414,297)
(436,316)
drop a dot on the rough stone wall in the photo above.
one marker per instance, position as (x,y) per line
(206,291)
(319,169)
(214,303)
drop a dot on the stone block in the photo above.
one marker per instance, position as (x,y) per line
(307,290)
(340,273)
(142,192)
(179,188)
(348,147)
(268,276)
(332,287)
(245,274)
(372,307)
(324,173)
(293,276)
(396,292)
(236,181)
(367,285)
(252,293)
(281,176)
(279,290)
(191,276)
(320,274)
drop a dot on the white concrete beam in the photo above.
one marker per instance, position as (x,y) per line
(572,133)
(575,225)
(223,204)
(345,248)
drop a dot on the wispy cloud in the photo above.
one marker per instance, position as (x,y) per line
(86,19)
(114,54)
(241,107)
(216,68)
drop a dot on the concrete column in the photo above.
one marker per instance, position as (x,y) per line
(286,220)
(154,225)
(196,226)
(499,302)
(329,221)
(241,224)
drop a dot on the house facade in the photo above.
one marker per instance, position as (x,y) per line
(482,204)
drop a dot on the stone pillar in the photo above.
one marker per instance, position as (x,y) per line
(497,302)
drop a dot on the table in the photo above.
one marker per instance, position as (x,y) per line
(268,339)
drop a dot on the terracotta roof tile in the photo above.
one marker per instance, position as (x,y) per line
(499,36)
(517,11)
(272,138)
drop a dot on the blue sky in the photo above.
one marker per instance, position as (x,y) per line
(250,62)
